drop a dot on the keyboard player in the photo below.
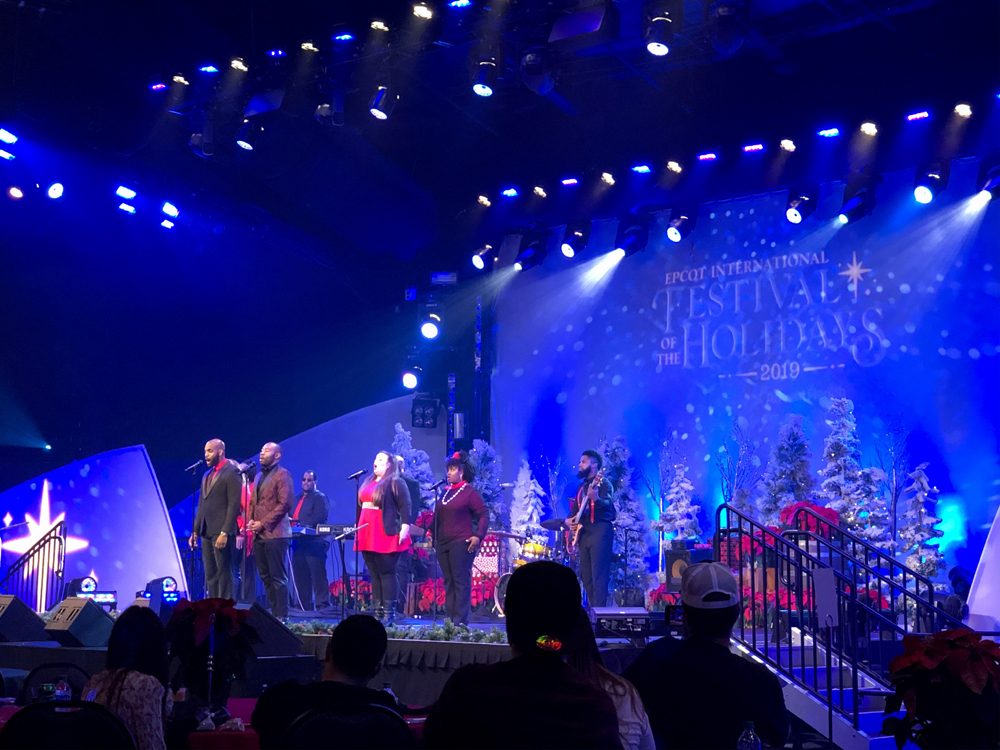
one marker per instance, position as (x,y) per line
(309,553)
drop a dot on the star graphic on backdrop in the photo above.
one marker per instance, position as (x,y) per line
(855,271)
(37,530)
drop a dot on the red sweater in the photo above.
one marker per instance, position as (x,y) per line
(464,516)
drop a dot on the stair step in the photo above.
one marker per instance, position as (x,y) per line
(866,702)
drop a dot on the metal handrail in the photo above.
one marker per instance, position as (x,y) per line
(36,577)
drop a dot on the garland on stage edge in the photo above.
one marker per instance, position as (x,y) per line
(447,631)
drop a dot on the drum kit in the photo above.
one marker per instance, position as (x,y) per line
(531,552)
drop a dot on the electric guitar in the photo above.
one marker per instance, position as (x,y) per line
(583,506)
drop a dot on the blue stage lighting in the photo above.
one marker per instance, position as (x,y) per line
(167,224)
(753,147)
(641,169)
(923,194)
(7,137)
(55,191)
(510,193)
(843,219)
(460,3)
(829,133)
(46,447)
(482,89)
(126,208)
(208,69)
(124,192)
(409,380)
(429,330)
(276,53)
(6,155)
(15,193)
(158,87)
(170,210)
(344,38)
(707,157)
(918,116)
(570,181)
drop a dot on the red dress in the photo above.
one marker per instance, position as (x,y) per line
(372,538)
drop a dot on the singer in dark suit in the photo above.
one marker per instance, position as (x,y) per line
(215,521)
(309,553)
(272,528)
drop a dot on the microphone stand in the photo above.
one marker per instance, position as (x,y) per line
(437,562)
(343,567)
(357,517)
(194,511)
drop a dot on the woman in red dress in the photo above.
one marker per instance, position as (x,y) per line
(385,508)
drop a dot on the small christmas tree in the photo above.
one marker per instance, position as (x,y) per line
(680,516)
(787,479)
(488,468)
(918,526)
(628,567)
(528,507)
(842,452)
(416,464)
(875,509)
(740,468)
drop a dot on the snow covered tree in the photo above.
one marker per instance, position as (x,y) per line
(680,516)
(416,464)
(740,468)
(787,479)
(528,507)
(875,508)
(489,470)
(628,567)
(918,526)
(842,452)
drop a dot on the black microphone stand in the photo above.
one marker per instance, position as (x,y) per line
(357,518)
(194,494)
(437,563)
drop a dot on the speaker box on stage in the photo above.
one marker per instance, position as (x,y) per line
(275,638)
(77,621)
(18,622)
(675,562)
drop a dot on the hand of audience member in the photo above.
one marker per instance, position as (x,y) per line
(474,542)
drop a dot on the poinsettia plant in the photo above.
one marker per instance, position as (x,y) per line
(949,684)
(660,598)
(812,524)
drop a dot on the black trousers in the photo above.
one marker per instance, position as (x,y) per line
(220,578)
(456,569)
(596,542)
(271,555)
(309,566)
(382,568)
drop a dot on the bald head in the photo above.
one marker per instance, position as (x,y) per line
(270,454)
(215,452)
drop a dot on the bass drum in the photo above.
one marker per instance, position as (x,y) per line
(500,592)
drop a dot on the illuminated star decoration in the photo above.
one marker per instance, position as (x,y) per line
(37,530)
(854,272)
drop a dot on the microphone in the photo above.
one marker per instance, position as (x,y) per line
(251,466)
(195,465)
(439,484)
(507,485)
(358,474)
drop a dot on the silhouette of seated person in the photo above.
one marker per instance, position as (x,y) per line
(353,658)
(542,702)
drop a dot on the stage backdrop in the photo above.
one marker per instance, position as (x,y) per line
(117,525)
(752,318)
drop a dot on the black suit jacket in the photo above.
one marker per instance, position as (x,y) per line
(396,506)
(315,509)
(220,502)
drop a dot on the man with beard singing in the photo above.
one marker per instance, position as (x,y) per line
(595,526)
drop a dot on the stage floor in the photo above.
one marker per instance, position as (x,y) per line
(332,616)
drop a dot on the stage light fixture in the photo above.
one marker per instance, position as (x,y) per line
(208,69)
(126,208)
(410,380)
(483,70)
(344,38)
(988,180)
(167,224)
(309,47)
(124,192)
(963,110)
(540,191)
(538,70)
(750,148)
(181,80)
(482,256)
(80,587)
(430,329)
(55,191)
(633,232)
(237,64)
(6,155)
(382,103)
(607,178)
(641,169)
(509,193)
(276,53)
(674,167)
(917,116)
(569,181)
(46,447)
(575,238)
(682,223)
(869,128)
(859,197)
(727,26)
(460,3)
(707,157)
(661,19)
(15,193)
(424,412)
(7,137)
(532,250)
(484,200)
(423,11)
(379,26)
(930,179)
(246,136)
(801,203)
(170,210)
(158,87)
(788,145)
(828,133)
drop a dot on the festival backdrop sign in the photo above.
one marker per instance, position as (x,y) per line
(754,319)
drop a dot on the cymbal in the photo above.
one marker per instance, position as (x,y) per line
(506,535)
(553,524)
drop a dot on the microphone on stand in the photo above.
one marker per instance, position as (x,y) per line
(439,484)
(358,474)
(251,466)
(195,465)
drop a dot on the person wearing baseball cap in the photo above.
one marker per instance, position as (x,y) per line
(697,692)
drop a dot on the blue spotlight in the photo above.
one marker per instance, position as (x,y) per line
(344,38)
(55,191)
(46,447)
(158,87)
(923,194)
(749,149)
(641,168)
(208,69)
(124,192)
(167,224)
(7,137)
(460,3)
(829,133)
(6,155)
(570,181)
(409,380)
(276,53)
(429,330)
(126,208)
(170,210)
(510,193)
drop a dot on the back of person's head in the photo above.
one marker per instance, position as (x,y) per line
(138,643)
(357,647)
(542,607)
(585,657)
(710,599)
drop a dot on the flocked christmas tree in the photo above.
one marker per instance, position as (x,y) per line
(488,468)
(679,518)
(416,464)
(787,479)
(528,507)
(918,526)
(876,511)
(842,453)
(628,567)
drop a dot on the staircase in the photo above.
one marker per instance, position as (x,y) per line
(834,678)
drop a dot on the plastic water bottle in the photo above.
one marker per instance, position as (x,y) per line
(63,691)
(749,739)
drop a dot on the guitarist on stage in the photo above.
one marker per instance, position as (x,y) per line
(594,532)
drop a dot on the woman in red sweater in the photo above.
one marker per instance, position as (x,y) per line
(385,508)
(460,520)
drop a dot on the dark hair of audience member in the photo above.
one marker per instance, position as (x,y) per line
(541,607)
(586,659)
(138,643)
(357,647)
(710,623)
(463,462)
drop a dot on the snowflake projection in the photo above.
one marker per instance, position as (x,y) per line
(37,530)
